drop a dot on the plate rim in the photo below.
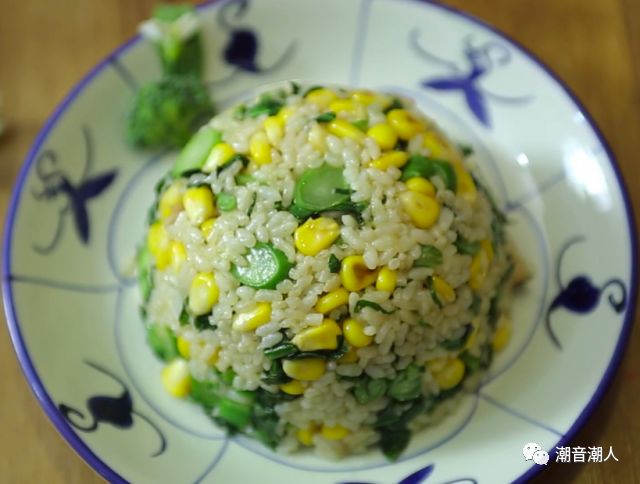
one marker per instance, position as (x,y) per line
(78,444)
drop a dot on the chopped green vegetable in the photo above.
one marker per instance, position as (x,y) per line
(253,205)
(466,150)
(315,190)
(226,202)
(295,87)
(475,305)
(363,303)
(195,153)
(266,267)
(266,104)
(429,257)
(162,342)
(334,264)
(426,167)
(471,362)
(167,112)
(180,52)
(394,442)
(145,274)
(203,322)
(361,124)
(395,104)
(281,350)
(311,89)
(240,112)
(237,157)
(243,179)
(336,354)
(367,389)
(492,314)
(228,375)
(205,393)
(275,375)
(407,385)
(234,413)
(326,117)
(432,291)
(454,344)
(184,315)
(465,246)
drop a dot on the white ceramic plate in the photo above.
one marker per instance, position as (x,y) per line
(80,201)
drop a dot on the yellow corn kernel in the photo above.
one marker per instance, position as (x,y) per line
(480,265)
(393,158)
(315,235)
(184,347)
(253,319)
(308,369)
(422,209)
(403,123)
(178,255)
(445,292)
(421,185)
(336,432)
(387,280)
(434,144)
(318,137)
(322,337)
(273,127)
(220,154)
(203,293)
(346,106)
(466,186)
(344,129)
(332,300)
(259,148)
(199,204)
(159,245)
(322,97)
(354,333)
(207,228)
(351,356)
(176,379)
(355,275)
(502,334)
(170,202)
(213,357)
(294,387)
(364,97)
(384,135)
(449,374)
(284,114)
(305,436)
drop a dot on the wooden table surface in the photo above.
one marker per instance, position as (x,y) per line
(47,46)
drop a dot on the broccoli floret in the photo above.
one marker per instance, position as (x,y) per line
(168,112)
(175,30)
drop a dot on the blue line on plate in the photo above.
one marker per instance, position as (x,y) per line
(517,414)
(540,190)
(362,28)
(214,463)
(124,73)
(66,286)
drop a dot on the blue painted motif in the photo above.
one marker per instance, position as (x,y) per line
(56,183)
(481,61)
(116,411)
(242,48)
(420,476)
(581,295)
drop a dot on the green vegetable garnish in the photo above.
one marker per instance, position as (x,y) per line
(361,124)
(243,179)
(407,384)
(203,322)
(419,165)
(167,112)
(234,413)
(430,257)
(226,202)
(466,150)
(455,344)
(334,264)
(266,267)
(275,375)
(367,389)
(311,89)
(475,305)
(315,191)
(432,291)
(162,342)
(326,117)
(465,246)
(205,393)
(195,153)
(145,275)
(266,105)
(393,442)
(395,104)
(363,303)
(281,350)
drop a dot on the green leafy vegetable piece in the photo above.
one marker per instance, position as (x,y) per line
(336,354)
(145,273)
(266,104)
(226,202)
(426,167)
(203,322)
(281,350)
(275,375)
(454,344)
(367,389)
(266,267)
(407,385)
(361,124)
(205,393)
(363,303)
(184,315)
(326,117)
(475,305)
(168,112)
(395,104)
(162,342)
(227,376)
(432,291)
(429,257)
(471,362)
(234,413)
(315,190)
(465,246)
(394,442)
(243,179)
(311,89)
(334,264)
(467,150)
(195,153)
